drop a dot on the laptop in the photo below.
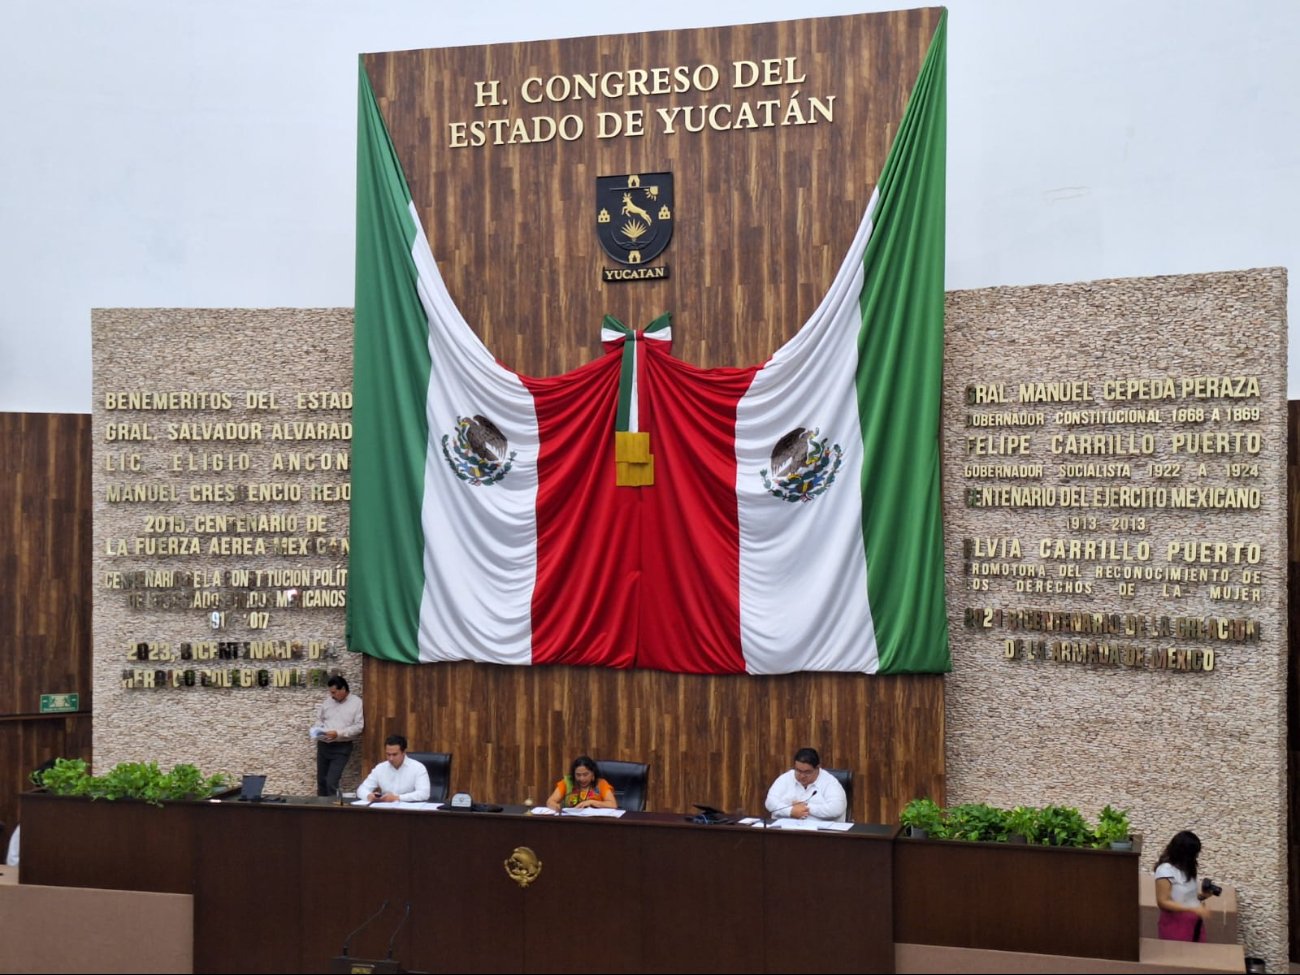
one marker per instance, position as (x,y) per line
(251,788)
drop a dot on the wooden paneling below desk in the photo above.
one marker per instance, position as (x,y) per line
(279,887)
(1017,897)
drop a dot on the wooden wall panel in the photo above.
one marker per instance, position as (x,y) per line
(45,593)
(764,216)
(715,740)
(763,219)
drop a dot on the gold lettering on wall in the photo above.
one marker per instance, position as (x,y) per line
(1117,457)
(212,488)
(747,94)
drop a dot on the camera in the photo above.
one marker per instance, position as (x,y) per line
(1208,886)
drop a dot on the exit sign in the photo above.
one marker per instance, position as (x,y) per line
(54,703)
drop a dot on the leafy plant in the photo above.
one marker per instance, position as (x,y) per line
(1048,826)
(1023,820)
(68,777)
(1112,826)
(187,782)
(976,821)
(131,780)
(1063,826)
(128,780)
(924,814)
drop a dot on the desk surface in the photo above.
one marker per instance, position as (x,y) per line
(515,810)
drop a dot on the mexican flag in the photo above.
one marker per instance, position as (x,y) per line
(640,511)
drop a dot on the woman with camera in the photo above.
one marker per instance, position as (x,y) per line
(1180,899)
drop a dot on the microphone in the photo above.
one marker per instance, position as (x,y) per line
(347,942)
(393,939)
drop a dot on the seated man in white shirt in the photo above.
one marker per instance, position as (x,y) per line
(396,780)
(807,791)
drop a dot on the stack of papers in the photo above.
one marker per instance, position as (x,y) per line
(398,805)
(806,824)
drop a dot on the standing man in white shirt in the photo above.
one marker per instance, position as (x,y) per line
(396,780)
(338,724)
(807,791)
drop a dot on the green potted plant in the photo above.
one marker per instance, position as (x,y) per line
(130,780)
(1063,826)
(68,777)
(1022,824)
(1113,829)
(977,822)
(922,818)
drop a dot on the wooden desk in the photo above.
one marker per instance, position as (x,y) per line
(277,888)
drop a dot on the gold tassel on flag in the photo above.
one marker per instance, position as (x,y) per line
(634,465)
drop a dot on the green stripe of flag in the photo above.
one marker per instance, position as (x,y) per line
(627,365)
(899,380)
(390,386)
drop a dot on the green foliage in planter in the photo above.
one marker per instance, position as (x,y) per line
(68,777)
(1063,826)
(1112,826)
(132,780)
(976,821)
(187,782)
(924,814)
(1023,821)
(1049,826)
(129,780)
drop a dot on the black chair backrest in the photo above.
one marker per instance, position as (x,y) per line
(439,766)
(628,780)
(845,777)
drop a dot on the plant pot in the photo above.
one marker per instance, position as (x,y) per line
(1121,844)
(916,832)
(1017,838)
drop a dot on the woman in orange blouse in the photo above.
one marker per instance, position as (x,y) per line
(582,788)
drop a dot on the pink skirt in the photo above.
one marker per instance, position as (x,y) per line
(1180,926)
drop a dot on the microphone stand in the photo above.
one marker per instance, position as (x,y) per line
(347,942)
(393,939)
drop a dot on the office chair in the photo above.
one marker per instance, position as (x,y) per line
(439,766)
(845,778)
(628,780)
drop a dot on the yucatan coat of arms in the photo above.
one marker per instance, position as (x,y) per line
(634,215)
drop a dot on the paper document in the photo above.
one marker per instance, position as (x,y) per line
(398,805)
(804,824)
(591,811)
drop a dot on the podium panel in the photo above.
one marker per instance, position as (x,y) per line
(283,888)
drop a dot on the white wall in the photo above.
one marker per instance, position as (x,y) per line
(201,153)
